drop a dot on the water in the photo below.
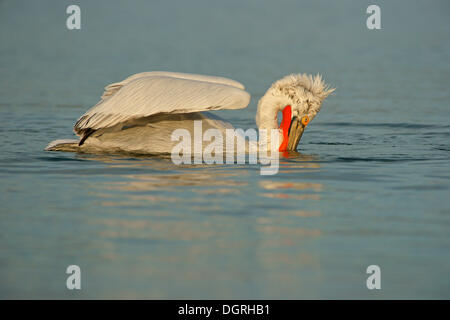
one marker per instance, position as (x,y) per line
(371,185)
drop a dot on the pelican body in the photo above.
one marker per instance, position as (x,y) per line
(140,113)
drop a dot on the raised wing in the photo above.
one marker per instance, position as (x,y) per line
(144,96)
(114,87)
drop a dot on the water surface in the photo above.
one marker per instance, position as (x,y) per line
(370,185)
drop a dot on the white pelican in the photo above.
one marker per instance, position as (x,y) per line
(139,114)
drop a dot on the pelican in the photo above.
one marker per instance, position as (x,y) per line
(139,114)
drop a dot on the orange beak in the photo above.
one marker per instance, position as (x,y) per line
(292,128)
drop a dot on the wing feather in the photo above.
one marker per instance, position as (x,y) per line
(114,87)
(147,95)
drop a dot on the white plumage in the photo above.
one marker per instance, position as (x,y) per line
(147,94)
(113,87)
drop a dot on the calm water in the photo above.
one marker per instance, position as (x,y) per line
(371,185)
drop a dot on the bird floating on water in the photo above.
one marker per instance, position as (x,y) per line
(139,114)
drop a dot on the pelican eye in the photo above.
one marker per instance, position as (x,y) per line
(305,120)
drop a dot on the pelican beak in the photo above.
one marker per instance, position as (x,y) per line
(296,130)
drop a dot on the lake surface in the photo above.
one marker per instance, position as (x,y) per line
(371,185)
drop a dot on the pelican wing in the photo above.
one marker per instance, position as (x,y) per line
(147,95)
(114,87)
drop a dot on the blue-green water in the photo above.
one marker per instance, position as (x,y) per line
(371,186)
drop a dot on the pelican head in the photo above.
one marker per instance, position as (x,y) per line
(299,98)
